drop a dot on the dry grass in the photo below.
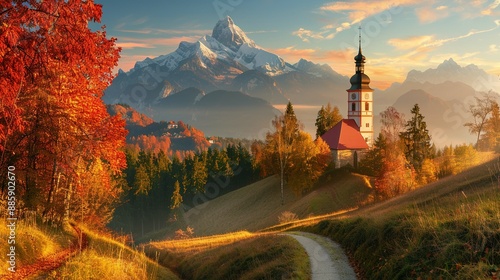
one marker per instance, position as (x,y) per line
(107,258)
(239,255)
(32,243)
(449,229)
(257,206)
(203,243)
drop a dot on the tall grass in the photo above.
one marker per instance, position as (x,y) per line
(239,255)
(453,237)
(32,242)
(106,258)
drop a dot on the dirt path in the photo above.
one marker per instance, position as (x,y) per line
(52,262)
(328,260)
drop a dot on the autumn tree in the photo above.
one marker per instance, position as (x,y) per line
(480,112)
(278,149)
(326,119)
(393,176)
(291,153)
(416,139)
(53,123)
(309,160)
(491,137)
(176,199)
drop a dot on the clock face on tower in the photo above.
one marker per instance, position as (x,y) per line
(367,96)
(353,96)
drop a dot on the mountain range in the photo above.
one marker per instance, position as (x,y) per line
(226,85)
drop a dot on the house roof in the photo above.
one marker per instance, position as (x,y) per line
(345,135)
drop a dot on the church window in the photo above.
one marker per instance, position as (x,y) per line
(353,107)
(367,124)
(367,106)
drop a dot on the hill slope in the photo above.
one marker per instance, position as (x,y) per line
(257,206)
(449,229)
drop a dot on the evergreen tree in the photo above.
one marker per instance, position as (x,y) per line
(372,163)
(416,139)
(321,122)
(327,118)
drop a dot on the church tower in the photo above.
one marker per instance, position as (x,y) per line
(360,98)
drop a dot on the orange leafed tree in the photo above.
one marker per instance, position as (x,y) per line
(53,124)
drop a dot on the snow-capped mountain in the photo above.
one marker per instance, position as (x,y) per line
(230,61)
(228,43)
(213,62)
(318,70)
(449,70)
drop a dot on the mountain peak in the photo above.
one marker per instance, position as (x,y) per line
(230,35)
(450,63)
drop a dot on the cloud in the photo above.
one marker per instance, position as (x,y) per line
(261,31)
(127,62)
(359,10)
(426,43)
(159,31)
(133,45)
(306,34)
(410,43)
(293,54)
(430,14)
(150,43)
(493,48)
(489,10)
(437,43)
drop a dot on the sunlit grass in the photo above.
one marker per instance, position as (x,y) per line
(203,243)
(32,243)
(238,255)
(447,230)
(107,258)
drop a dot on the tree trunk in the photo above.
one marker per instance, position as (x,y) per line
(67,202)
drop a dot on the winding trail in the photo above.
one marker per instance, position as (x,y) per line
(328,260)
(52,262)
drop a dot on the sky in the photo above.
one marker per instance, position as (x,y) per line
(397,36)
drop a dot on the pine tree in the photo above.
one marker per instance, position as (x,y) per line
(326,119)
(321,122)
(416,139)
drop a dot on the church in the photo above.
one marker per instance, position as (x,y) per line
(356,132)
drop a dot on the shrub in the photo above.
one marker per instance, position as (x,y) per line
(286,217)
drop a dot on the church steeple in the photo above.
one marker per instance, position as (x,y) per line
(360,98)
(360,58)
(360,80)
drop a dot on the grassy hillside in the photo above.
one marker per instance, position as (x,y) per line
(449,229)
(33,243)
(239,255)
(257,206)
(104,258)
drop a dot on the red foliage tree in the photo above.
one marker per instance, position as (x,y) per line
(53,123)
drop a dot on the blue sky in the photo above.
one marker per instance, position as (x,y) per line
(397,35)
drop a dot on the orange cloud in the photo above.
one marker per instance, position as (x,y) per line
(149,43)
(293,54)
(133,45)
(127,62)
(430,14)
(489,10)
(359,10)
(410,43)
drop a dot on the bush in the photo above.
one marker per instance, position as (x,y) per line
(286,217)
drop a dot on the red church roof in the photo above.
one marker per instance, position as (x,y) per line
(345,135)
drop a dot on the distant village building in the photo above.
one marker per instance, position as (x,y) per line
(356,132)
(172,125)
